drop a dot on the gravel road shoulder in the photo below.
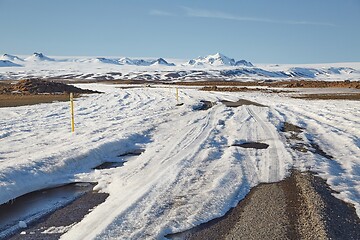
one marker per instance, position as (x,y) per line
(299,207)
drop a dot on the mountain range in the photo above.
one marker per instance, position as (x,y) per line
(217,66)
(216,60)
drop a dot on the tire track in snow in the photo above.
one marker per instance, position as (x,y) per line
(178,165)
(272,161)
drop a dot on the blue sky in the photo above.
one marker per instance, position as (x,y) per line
(261,31)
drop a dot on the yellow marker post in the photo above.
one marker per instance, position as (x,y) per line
(177,95)
(72,112)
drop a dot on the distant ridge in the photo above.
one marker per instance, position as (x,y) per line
(38,57)
(11,58)
(7,63)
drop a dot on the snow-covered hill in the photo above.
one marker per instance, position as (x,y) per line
(216,67)
(38,57)
(12,58)
(7,63)
(219,60)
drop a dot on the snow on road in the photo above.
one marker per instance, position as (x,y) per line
(189,173)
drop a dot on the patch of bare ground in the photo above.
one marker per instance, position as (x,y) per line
(328,96)
(299,207)
(279,83)
(12,100)
(240,102)
(34,91)
(239,89)
(315,84)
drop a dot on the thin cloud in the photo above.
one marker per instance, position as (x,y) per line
(203,13)
(156,12)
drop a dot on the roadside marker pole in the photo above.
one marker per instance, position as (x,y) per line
(72,112)
(177,95)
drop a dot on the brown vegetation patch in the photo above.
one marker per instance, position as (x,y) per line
(279,83)
(332,96)
(14,100)
(227,89)
(38,86)
(34,91)
(316,84)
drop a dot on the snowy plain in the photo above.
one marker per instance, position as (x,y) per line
(189,173)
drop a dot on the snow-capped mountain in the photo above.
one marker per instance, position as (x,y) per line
(7,63)
(161,61)
(12,58)
(244,63)
(218,59)
(38,57)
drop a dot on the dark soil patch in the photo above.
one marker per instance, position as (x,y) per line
(227,89)
(255,145)
(315,148)
(38,86)
(15,100)
(292,135)
(240,102)
(316,84)
(240,89)
(288,127)
(34,91)
(332,96)
(284,84)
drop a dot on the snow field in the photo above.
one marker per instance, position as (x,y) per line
(189,172)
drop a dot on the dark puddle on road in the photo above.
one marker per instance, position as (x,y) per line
(255,145)
(124,158)
(241,102)
(32,207)
(54,225)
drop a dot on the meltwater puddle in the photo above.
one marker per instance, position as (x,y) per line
(24,210)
